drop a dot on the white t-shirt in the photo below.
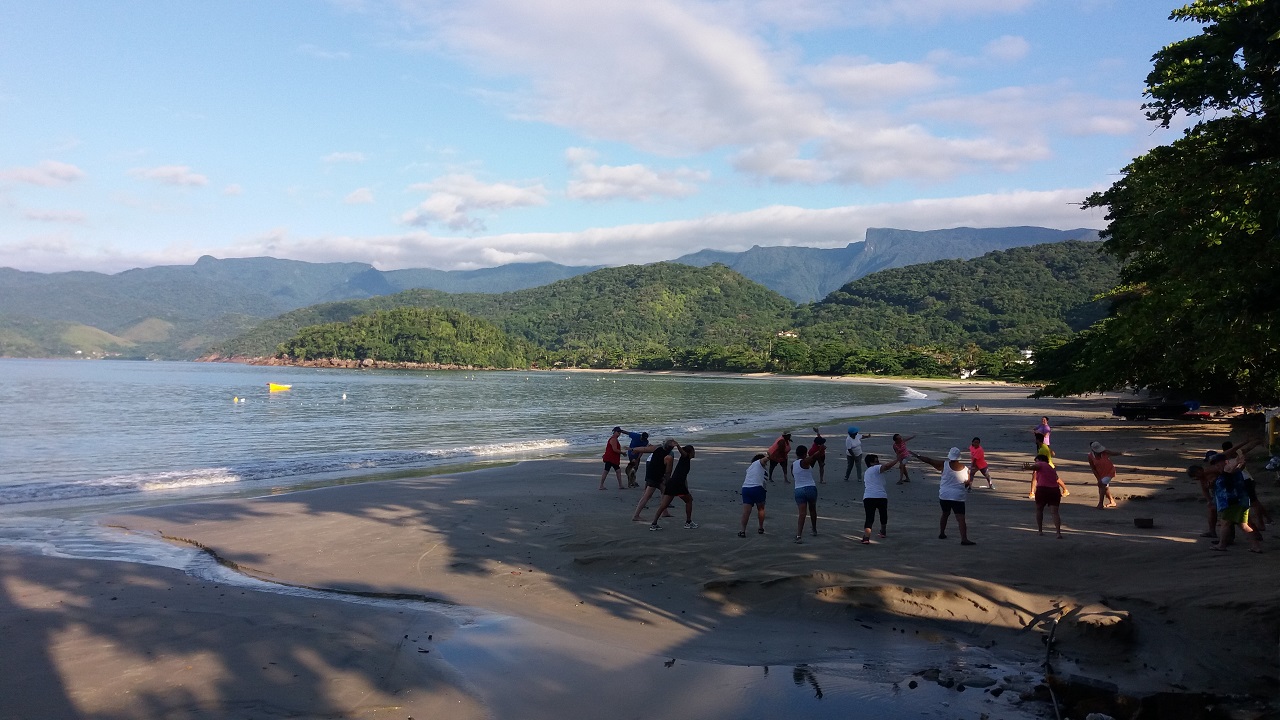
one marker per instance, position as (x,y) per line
(952,485)
(853,444)
(803,477)
(875,483)
(755,474)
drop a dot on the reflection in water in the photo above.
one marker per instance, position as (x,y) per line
(802,674)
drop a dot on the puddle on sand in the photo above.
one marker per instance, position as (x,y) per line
(522,670)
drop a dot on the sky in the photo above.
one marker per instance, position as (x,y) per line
(460,135)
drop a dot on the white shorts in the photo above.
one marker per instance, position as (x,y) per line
(1104,481)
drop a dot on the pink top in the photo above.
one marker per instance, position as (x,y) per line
(1046,476)
(979,457)
(900,449)
(1044,429)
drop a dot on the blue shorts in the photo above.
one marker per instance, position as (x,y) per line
(808,494)
(753,495)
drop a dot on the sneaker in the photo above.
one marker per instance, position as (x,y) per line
(866,541)
(799,539)
(742,534)
(691,526)
(654,527)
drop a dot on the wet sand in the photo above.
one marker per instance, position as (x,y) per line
(1147,610)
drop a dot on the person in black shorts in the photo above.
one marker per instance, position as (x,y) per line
(656,472)
(678,487)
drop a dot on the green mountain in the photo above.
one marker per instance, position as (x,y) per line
(614,317)
(1011,298)
(807,274)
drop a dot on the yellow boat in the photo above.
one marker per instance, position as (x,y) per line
(277,387)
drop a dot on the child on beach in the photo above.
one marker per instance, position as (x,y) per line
(902,453)
(978,461)
(753,493)
(1104,470)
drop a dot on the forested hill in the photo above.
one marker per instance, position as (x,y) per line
(1012,298)
(613,317)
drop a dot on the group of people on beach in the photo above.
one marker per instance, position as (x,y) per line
(1229,490)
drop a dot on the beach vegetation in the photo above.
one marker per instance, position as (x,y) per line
(1196,224)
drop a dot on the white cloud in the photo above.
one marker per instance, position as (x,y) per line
(1031,113)
(620,245)
(680,78)
(360,196)
(48,173)
(1007,48)
(55,216)
(634,182)
(233,189)
(177,175)
(343,157)
(455,201)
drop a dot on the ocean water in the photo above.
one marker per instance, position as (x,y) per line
(85,432)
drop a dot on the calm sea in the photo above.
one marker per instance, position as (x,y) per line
(85,432)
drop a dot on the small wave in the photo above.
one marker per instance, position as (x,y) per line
(913,394)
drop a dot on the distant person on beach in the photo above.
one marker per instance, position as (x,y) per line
(657,471)
(978,462)
(901,452)
(612,458)
(1204,477)
(1104,471)
(1048,493)
(806,491)
(779,453)
(753,493)
(853,452)
(875,498)
(818,455)
(638,440)
(953,490)
(677,486)
(1043,429)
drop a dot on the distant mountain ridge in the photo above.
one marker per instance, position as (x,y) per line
(807,274)
(175,311)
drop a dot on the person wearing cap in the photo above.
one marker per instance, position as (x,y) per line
(612,458)
(953,489)
(779,452)
(1104,470)
(853,452)
(1048,493)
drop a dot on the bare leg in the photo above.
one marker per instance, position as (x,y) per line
(662,507)
(604,475)
(618,473)
(800,523)
(746,514)
(1111,502)
(644,500)
(813,517)
(759,519)
(964,530)
(688,508)
(1224,529)
(1057,521)
(1040,518)
(942,525)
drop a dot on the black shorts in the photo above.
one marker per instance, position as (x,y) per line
(653,482)
(610,466)
(1051,496)
(954,506)
(676,487)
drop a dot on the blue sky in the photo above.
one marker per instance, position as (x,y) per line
(455,135)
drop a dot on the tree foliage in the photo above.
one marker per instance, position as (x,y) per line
(1197,225)
(445,337)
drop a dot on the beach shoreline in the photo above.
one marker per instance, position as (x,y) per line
(1148,611)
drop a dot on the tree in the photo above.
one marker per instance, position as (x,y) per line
(1196,225)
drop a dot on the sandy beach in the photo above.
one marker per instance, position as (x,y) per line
(599,598)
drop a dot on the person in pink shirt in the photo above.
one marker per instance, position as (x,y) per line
(1104,471)
(1048,494)
(1043,429)
(978,461)
(901,452)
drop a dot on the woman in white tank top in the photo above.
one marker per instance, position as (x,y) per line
(805,490)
